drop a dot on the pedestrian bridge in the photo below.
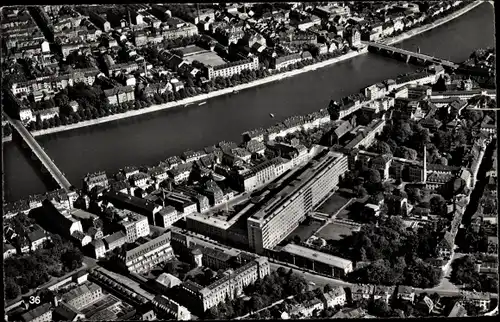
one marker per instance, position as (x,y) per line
(39,152)
(409,54)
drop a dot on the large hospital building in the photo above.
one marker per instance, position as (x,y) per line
(300,192)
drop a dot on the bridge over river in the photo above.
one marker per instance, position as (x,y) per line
(409,54)
(49,164)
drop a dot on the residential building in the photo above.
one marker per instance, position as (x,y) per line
(95,179)
(60,219)
(406,293)
(115,240)
(141,258)
(181,202)
(335,297)
(250,178)
(228,286)
(481,300)
(213,192)
(167,216)
(179,312)
(135,226)
(42,313)
(361,291)
(83,296)
(230,69)
(120,94)
(138,205)
(8,250)
(99,249)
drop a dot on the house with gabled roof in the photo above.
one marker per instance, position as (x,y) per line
(446,245)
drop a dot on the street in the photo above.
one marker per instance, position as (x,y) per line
(444,289)
(318,280)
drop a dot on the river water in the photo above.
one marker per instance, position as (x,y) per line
(147,139)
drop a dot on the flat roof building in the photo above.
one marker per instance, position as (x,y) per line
(299,193)
(318,261)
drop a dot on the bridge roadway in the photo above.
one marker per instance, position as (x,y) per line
(410,53)
(47,162)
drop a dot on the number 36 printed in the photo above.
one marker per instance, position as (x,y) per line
(34,299)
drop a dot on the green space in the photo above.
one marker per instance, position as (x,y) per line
(305,230)
(395,255)
(333,204)
(29,271)
(334,232)
(276,286)
(464,273)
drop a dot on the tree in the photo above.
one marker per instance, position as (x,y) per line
(373,176)
(265,314)
(402,132)
(12,290)
(212,313)
(256,303)
(72,259)
(438,206)
(281,271)
(379,308)
(464,272)
(382,148)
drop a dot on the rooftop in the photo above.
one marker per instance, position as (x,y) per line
(294,182)
(317,256)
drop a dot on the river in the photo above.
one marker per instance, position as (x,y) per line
(147,139)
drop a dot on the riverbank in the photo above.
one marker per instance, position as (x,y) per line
(269,79)
(197,98)
(437,23)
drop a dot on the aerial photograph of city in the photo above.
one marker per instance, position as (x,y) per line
(251,160)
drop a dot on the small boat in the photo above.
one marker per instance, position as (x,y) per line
(236,92)
(188,104)
(271,115)
(202,103)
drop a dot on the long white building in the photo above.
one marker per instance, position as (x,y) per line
(300,192)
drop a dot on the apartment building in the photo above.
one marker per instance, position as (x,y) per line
(230,69)
(259,175)
(135,226)
(141,206)
(42,313)
(181,202)
(336,296)
(300,192)
(230,285)
(141,258)
(214,256)
(83,295)
(95,179)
